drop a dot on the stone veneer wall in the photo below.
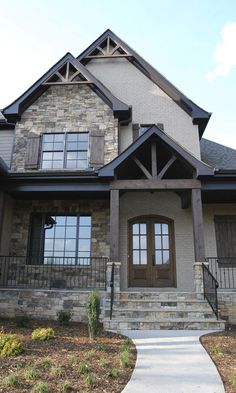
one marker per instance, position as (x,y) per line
(227,305)
(98,209)
(73,108)
(44,304)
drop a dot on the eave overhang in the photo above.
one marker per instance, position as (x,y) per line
(13,111)
(199,116)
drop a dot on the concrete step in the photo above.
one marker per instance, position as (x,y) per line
(175,324)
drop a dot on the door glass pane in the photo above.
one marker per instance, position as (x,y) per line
(165,229)
(158,255)
(143,229)
(165,242)
(135,229)
(136,242)
(136,259)
(143,257)
(158,229)
(166,257)
(143,242)
(162,243)
(158,242)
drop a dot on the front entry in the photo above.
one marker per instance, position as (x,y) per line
(151,252)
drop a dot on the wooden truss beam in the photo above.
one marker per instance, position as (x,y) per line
(143,168)
(152,184)
(67,74)
(166,167)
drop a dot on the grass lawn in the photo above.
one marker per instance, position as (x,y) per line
(222,349)
(70,362)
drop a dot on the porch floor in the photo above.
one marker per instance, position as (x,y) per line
(172,362)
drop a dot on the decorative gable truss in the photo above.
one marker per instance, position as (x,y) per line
(67,74)
(108,48)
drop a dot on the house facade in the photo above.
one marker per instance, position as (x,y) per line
(108,183)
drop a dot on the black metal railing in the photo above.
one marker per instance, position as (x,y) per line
(112,288)
(55,273)
(224,270)
(210,286)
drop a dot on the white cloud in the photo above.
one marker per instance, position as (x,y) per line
(225,52)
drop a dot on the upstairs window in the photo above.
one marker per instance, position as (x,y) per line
(65,150)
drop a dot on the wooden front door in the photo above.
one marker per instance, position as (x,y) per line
(151,252)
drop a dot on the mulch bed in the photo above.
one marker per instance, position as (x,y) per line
(70,343)
(222,349)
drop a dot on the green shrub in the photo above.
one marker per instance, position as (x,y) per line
(72,359)
(114,373)
(218,350)
(46,362)
(31,373)
(83,368)
(12,380)
(57,371)
(93,313)
(103,363)
(90,380)
(43,334)
(22,321)
(67,386)
(42,387)
(64,317)
(10,345)
(125,360)
(91,354)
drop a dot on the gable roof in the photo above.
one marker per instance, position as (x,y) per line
(201,167)
(13,111)
(199,115)
(217,155)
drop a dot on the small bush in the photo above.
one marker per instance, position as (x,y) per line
(72,359)
(103,363)
(22,321)
(93,313)
(234,382)
(43,334)
(83,368)
(91,354)
(90,380)
(114,373)
(67,386)
(64,317)
(218,350)
(31,373)
(125,360)
(57,371)
(10,345)
(42,387)
(46,362)
(12,380)
(127,344)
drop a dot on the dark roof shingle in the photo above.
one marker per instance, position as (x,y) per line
(217,155)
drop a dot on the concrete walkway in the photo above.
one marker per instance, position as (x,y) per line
(172,361)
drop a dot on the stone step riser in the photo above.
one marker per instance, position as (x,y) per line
(113,325)
(150,315)
(164,296)
(178,306)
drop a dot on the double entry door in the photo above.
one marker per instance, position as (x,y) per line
(151,252)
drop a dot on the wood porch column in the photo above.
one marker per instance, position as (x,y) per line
(1,214)
(114,225)
(198,227)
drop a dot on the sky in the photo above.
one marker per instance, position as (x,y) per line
(191,42)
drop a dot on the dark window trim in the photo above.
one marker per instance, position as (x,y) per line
(42,236)
(64,151)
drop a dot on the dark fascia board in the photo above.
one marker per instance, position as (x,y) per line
(4,169)
(13,111)
(199,116)
(202,169)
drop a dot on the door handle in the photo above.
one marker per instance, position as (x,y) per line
(153,260)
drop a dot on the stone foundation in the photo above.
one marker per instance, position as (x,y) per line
(44,304)
(227,306)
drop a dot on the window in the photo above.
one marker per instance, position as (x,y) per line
(59,239)
(225,228)
(65,150)
(143,128)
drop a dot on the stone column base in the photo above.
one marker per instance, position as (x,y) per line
(117,266)
(198,278)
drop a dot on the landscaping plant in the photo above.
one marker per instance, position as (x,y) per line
(64,317)
(10,345)
(43,334)
(93,313)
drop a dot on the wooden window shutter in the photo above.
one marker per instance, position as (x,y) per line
(135,131)
(225,228)
(32,152)
(96,148)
